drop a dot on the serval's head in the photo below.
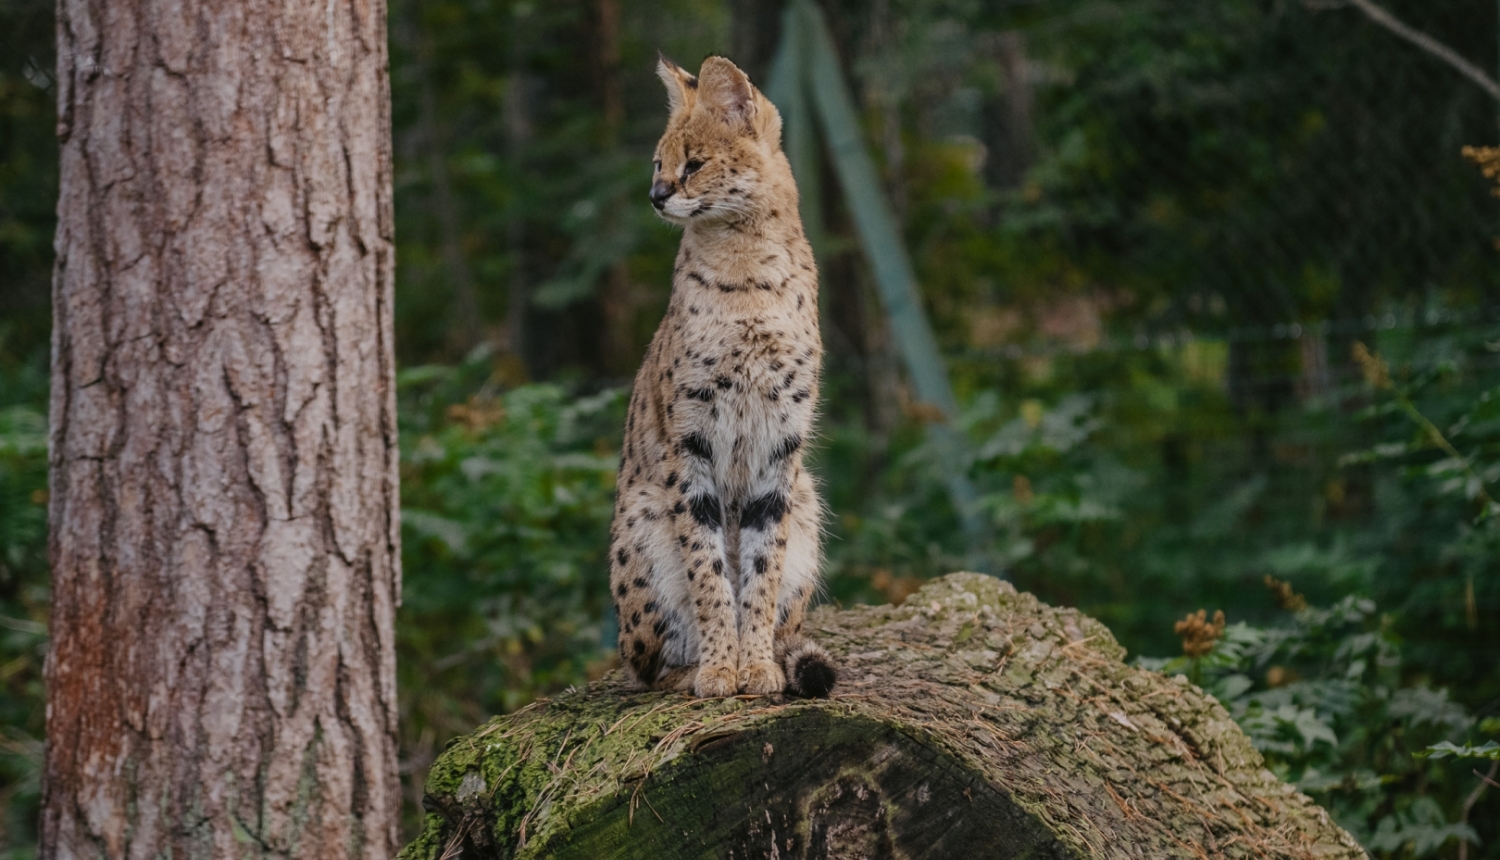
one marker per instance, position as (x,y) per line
(720,158)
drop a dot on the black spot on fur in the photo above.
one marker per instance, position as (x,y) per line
(719,566)
(787,448)
(640,582)
(622,589)
(671,480)
(697,445)
(760,564)
(723,383)
(707,512)
(622,557)
(646,666)
(703,394)
(766,511)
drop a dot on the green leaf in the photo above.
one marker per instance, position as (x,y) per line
(1490,750)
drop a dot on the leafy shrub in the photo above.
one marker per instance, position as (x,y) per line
(1325,697)
(506,502)
(23,598)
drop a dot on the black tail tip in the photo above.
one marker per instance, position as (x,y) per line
(813,676)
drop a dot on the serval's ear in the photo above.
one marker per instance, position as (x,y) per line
(680,85)
(726,90)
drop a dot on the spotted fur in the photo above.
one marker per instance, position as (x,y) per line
(715,546)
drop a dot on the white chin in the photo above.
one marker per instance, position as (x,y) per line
(678,212)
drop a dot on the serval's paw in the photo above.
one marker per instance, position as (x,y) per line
(762,678)
(714,682)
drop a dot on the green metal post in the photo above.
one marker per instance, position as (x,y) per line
(787,89)
(883,246)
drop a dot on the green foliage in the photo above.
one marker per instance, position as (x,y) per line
(1326,698)
(1490,750)
(23,595)
(28,170)
(1198,152)
(506,503)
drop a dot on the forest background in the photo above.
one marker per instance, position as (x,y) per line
(1217,292)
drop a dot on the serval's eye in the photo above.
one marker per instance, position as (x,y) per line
(693,166)
(656,165)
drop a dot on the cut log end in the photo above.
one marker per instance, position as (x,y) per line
(972,721)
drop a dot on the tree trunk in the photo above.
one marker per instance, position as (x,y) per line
(224,543)
(972,721)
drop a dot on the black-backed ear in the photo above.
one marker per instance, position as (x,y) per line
(680,85)
(725,90)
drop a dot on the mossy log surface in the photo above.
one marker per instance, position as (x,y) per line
(971,721)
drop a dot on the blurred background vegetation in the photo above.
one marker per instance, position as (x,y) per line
(1151,237)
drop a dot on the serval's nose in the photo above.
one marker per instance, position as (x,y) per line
(660,191)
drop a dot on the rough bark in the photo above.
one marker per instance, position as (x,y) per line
(972,721)
(224,543)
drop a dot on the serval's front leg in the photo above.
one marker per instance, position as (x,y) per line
(764,527)
(698,515)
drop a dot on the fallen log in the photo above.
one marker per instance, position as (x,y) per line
(971,721)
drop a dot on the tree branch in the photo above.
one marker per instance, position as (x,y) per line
(1473,798)
(1425,42)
